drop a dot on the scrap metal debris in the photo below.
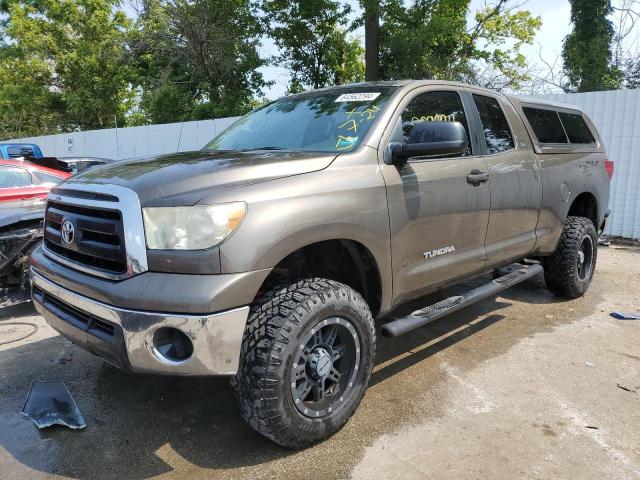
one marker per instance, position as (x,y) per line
(21,227)
(625,316)
(50,403)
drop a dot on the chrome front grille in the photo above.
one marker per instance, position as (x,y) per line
(107,234)
(98,239)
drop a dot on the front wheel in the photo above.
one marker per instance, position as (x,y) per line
(306,360)
(569,271)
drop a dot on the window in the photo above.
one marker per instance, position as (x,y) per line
(433,107)
(546,125)
(47,177)
(494,124)
(16,152)
(14,177)
(576,128)
(334,120)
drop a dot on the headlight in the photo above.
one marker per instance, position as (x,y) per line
(191,228)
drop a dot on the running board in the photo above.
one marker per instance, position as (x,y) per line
(438,310)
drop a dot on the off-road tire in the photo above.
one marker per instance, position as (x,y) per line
(561,270)
(276,326)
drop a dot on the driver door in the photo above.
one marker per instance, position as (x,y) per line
(438,217)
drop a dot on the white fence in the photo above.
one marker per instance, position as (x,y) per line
(616,114)
(132,142)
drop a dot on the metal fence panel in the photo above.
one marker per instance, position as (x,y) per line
(131,142)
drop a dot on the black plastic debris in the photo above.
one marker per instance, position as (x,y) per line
(625,388)
(50,403)
(625,316)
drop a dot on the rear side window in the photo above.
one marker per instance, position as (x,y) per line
(576,128)
(16,152)
(496,129)
(546,125)
(14,177)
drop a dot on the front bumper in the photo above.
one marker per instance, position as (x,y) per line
(125,337)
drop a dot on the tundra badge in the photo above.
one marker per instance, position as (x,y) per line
(439,251)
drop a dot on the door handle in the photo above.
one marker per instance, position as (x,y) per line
(477,178)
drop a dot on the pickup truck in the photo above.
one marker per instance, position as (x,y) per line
(20,150)
(267,255)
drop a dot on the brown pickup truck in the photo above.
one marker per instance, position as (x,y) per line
(267,255)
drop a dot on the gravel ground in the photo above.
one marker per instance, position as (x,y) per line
(520,386)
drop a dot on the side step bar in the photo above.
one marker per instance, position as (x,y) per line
(438,310)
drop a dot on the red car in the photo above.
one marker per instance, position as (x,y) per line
(21,180)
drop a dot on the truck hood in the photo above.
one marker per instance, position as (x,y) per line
(185,178)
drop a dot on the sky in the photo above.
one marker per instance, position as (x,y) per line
(555,16)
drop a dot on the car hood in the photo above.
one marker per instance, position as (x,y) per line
(185,178)
(20,211)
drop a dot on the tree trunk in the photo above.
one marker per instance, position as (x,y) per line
(371,42)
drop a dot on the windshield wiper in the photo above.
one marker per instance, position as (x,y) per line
(268,147)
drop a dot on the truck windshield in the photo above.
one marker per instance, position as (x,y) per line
(334,120)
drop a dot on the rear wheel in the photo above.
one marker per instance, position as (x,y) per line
(569,271)
(306,359)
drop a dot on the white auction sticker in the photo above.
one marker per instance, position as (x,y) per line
(358,97)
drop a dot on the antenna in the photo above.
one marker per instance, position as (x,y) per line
(180,137)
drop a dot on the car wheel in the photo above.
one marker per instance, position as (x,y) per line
(569,271)
(306,360)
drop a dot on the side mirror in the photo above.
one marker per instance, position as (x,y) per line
(429,139)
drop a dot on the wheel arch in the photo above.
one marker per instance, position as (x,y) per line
(585,205)
(344,260)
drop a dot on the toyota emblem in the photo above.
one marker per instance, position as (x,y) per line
(68,232)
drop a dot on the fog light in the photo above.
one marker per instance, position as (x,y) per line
(171,345)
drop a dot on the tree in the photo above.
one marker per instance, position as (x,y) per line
(65,56)
(587,50)
(27,106)
(626,56)
(632,73)
(371,39)
(197,59)
(313,42)
(432,39)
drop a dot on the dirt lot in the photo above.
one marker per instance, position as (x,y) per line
(520,386)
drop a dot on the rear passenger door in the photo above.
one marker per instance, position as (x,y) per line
(514,180)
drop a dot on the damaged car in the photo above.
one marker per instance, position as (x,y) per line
(20,233)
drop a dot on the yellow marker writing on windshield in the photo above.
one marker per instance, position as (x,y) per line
(345,143)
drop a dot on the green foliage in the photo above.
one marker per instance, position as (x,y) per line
(64,59)
(587,50)
(81,64)
(632,73)
(197,59)
(431,39)
(27,106)
(313,42)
